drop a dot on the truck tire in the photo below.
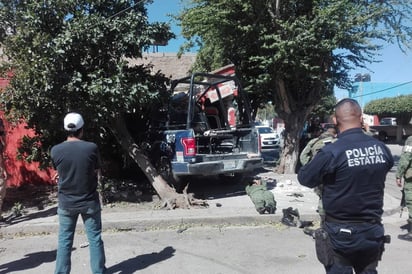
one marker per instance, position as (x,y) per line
(235,178)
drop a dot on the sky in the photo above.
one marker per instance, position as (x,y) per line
(394,66)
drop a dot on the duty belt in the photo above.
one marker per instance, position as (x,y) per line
(351,221)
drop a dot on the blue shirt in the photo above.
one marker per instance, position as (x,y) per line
(352,171)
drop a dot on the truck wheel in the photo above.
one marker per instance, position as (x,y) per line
(234,178)
(382,136)
(165,170)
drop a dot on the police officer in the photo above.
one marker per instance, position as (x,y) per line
(352,171)
(404,171)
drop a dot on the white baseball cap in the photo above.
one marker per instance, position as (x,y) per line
(73,121)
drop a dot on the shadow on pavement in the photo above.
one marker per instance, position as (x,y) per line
(30,261)
(213,188)
(11,220)
(142,261)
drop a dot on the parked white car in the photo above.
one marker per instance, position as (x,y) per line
(268,137)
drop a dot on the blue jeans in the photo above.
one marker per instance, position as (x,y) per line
(67,227)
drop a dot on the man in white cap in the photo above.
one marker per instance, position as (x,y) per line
(78,163)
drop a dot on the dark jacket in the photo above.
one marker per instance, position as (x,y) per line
(353,171)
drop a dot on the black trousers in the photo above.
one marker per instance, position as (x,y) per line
(357,246)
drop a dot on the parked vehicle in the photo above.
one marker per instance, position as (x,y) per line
(206,130)
(269,144)
(268,138)
(388,129)
(388,121)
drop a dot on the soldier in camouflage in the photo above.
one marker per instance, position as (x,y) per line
(310,150)
(316,144)
(261,197)
(404,171)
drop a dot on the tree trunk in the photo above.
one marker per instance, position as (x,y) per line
(291,147)
(169,196)
(294,117)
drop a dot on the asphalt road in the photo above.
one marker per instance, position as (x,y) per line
(226,250)
(269,248)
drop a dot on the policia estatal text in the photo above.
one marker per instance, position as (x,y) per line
(352,171)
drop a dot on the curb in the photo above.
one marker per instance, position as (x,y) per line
(147,224)
(179,223)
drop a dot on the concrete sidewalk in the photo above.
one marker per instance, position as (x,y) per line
(233,209)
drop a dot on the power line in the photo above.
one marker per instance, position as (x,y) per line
(382,90)
(126,9)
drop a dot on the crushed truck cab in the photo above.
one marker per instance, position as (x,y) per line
(207,130)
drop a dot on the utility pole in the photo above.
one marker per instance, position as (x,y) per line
(358,88)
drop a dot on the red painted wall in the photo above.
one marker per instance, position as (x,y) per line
(20,172)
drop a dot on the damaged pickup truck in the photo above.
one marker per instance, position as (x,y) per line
(206,130)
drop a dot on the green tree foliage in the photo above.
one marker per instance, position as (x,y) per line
(293,52)
(399,107)
(72,55)
(324,109)
(265,112)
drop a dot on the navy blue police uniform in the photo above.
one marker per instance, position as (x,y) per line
(352,171)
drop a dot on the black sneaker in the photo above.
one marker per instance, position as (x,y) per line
(406,237)
(288,221)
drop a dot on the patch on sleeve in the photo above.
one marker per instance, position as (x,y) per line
(407,148)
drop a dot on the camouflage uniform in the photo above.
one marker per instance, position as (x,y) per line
(262,198)
(315,145)
(309,152)
(404,171)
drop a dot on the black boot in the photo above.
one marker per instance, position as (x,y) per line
(287,218)
(294,212)
(271,209)
(407,236)
(261,210)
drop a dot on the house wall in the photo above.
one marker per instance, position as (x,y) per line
(19,171)
(168,63)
